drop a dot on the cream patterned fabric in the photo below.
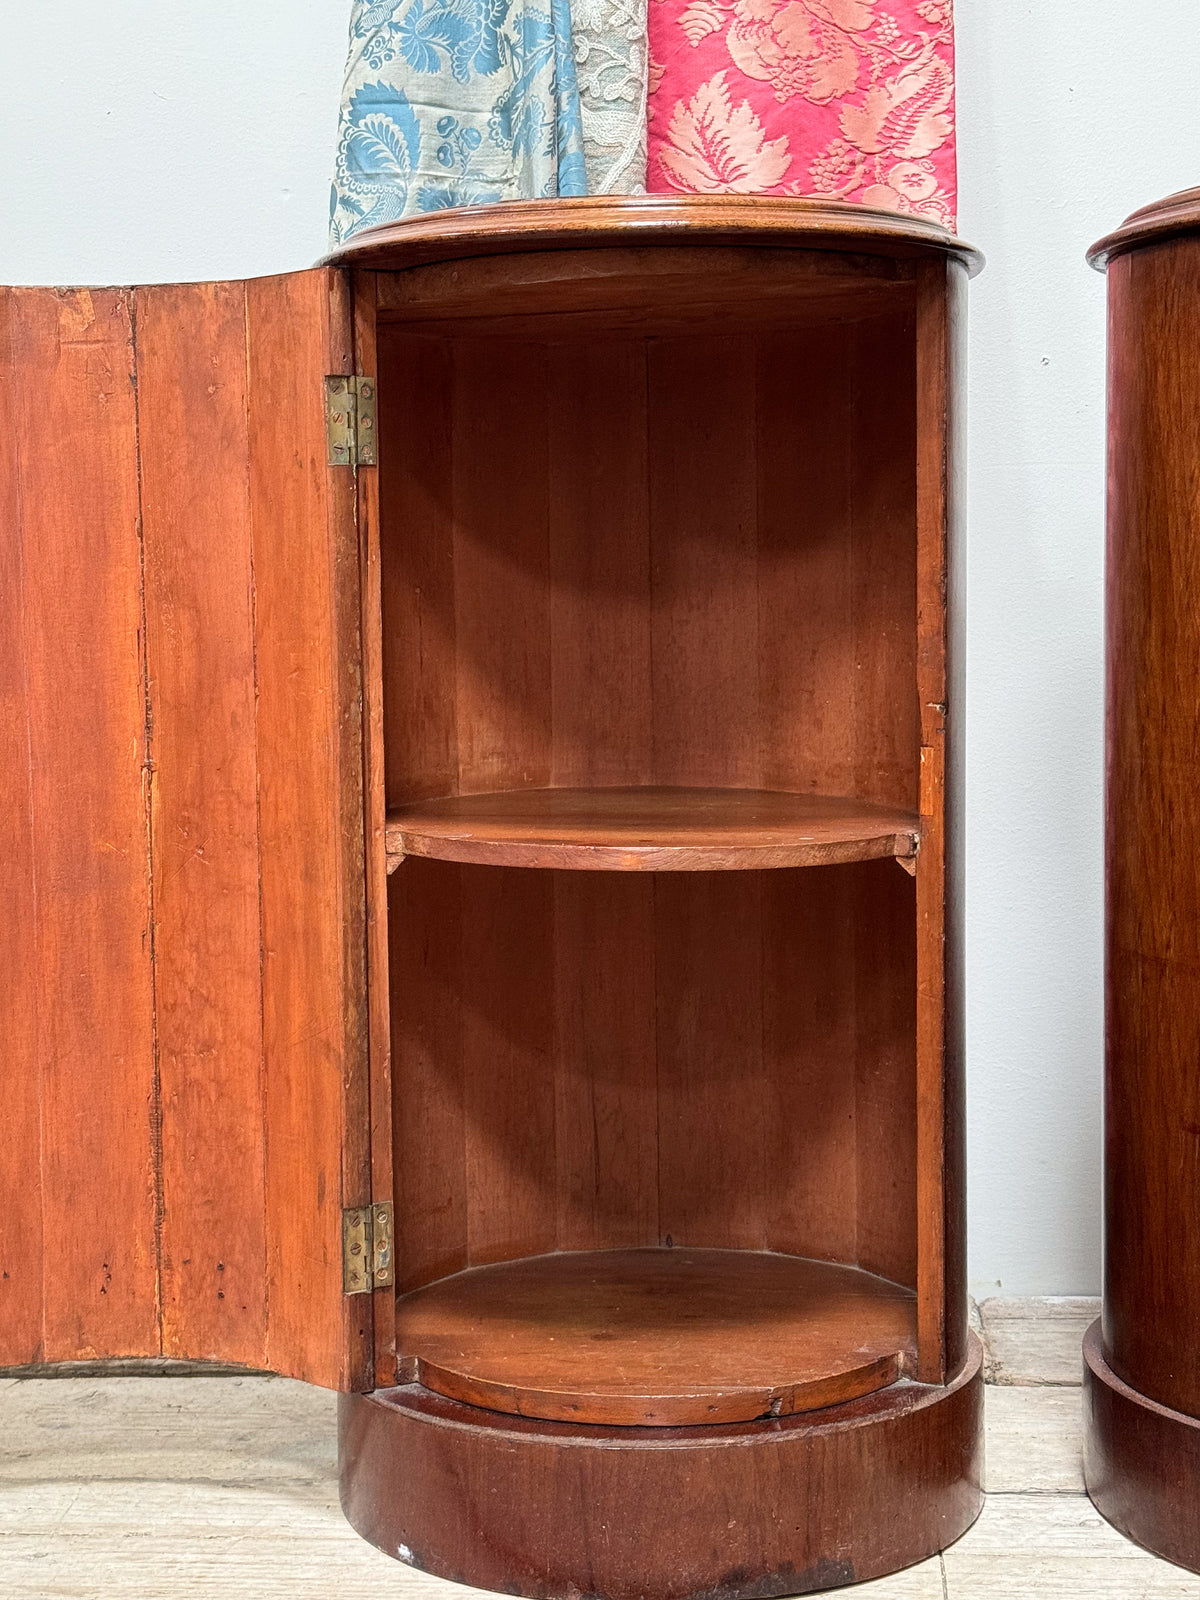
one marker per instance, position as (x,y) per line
(611,61)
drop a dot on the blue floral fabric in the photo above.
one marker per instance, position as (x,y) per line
(455,103)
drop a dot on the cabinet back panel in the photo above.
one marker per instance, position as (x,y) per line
(651,560)
(588,1060)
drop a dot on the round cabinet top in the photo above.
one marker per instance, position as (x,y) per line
(599,221)
(1171,218)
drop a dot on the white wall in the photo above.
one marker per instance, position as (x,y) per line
(140,142)
(1071,116)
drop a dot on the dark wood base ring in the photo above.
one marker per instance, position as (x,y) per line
(779,1507)
(1141,1461)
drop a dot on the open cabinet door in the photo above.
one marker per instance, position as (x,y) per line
(181,830)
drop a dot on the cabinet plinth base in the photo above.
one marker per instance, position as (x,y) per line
(1141,1461)
(779,1507)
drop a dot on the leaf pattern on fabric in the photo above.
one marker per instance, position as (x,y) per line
(455,102)
(716,147)
(846,99)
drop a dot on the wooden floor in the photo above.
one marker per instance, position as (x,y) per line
(182,1488)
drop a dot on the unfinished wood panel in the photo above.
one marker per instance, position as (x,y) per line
(704,569)
(502,567)
(374,820)
(307,618)
(711,1116)
(599,525)
(425,912)
(507,1002)
(606,1090)
(87,1039)
(21,1287)
(416,490)
(191,346)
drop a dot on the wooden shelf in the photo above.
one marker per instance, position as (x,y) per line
(651,829)
(657,1337)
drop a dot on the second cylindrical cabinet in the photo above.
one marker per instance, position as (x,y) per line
(1142,1366)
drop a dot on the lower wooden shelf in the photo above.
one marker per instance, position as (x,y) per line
(650,829)
(657,1337)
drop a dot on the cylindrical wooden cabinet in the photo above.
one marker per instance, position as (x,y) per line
(1142,1360)
(663,743)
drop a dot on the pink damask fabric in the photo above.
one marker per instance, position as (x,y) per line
(846,99)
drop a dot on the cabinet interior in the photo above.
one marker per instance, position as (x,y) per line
(629,549)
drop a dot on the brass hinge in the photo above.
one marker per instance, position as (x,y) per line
(367,1248)
(350,421)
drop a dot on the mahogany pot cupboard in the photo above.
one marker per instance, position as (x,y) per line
(1142,1366)
(482,735)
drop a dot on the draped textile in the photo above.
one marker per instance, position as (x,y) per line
(611,61)
(453,103)
(847,99)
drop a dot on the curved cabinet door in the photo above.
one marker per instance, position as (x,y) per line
(181,806)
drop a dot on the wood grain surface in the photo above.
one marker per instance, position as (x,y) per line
(1152,1097)
(657,1338)
(200,653)
(181,695)
(311,820)
(720,1060)
(651,829)
(692,594)
(623,292)
(80,1203)
(592,579)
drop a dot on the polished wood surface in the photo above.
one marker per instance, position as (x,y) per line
(1176,217)
(1141,1461)
(657,1338)
(653,220)
(651,829)
(791,1505)
(186,895)
(1152,1159)
(1150,1379)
